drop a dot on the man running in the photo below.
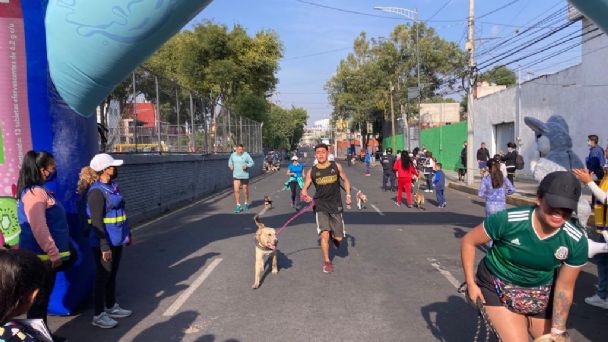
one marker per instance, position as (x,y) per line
(326,175)
(240,162)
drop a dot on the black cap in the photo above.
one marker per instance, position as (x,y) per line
(560,189)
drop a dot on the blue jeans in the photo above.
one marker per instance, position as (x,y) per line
(440,197)
(602,272)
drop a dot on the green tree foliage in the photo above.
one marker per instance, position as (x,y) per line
(285,127)
(500,75)
(220,64)
(360,88)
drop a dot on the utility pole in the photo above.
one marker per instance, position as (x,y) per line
(470,46)
(393,137)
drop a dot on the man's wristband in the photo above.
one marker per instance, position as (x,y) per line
(556,331)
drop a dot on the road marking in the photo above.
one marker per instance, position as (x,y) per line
(190,290)
(444,272)
(377,210)
(354,188)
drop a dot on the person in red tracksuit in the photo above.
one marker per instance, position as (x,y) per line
(405,172)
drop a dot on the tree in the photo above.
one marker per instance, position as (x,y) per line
(499,75)
(361,87)
(284,127)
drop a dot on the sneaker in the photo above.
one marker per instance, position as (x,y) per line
(328,267)
(117,312)
(596,300)
(246,207)
(237,208)
(409,205)
(104,321)
(58,338)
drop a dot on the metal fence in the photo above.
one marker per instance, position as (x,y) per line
(148,113)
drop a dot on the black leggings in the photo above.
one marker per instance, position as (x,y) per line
(295,189)
(105,280)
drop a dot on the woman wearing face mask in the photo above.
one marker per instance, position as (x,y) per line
(44,227)
(109,232)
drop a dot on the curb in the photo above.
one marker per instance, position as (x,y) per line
(516,200)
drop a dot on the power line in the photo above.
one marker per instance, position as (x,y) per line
(497,9)
(438,11)
(522,47)
(317,53)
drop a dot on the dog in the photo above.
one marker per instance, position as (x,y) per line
(265,245)
(361,200)
(267,202)
(419,200)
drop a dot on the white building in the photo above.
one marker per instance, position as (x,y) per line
(439,114)
(578,93)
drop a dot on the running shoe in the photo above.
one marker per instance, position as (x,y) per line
(246,207)
(117,312)
(237,208)
(597,301)
(104,321)
(328,267)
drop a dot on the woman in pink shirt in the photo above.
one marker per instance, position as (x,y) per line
(44,227)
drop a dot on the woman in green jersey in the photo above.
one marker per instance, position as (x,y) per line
(526,280)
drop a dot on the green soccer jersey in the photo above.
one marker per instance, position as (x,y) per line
(519,256)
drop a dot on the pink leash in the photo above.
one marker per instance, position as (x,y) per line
(298,214)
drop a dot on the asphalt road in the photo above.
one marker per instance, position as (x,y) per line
(188,276)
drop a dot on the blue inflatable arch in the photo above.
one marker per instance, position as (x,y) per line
(64,57)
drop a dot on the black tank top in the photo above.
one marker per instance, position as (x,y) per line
(327,184)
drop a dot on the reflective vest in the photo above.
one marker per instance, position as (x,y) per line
(115,219)
(58,227)
(600,209)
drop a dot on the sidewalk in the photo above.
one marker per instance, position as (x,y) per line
(525,194)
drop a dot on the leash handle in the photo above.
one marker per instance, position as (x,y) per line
(298,214)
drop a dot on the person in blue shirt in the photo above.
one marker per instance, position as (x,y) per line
(239,163)
(596,159)
(368,162)
(439,185)
(295,181)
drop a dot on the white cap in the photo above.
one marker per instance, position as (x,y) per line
(294,158)
(102,161)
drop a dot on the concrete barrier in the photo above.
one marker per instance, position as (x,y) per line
(155,184)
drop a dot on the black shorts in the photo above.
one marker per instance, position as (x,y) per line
(484,280)
(243,181)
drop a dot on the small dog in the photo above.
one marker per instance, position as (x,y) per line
(267,202)
(265,245)
(419,200)
(361,200)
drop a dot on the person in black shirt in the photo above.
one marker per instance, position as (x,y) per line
(388,175)
(326,176)
(483,155)
(510,160)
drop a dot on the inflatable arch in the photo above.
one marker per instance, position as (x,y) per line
(60,59)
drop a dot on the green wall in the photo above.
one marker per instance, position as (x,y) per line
(446,143)
(388,142)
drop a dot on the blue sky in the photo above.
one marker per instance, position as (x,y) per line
(315,39)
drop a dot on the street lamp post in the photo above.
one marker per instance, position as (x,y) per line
(413,16)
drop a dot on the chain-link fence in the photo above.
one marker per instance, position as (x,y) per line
(148,113)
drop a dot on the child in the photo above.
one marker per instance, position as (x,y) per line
(21,278)
(494,188)
(439,185)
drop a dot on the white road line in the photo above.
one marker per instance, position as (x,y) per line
(354,188)
(377,210)
(444,272)
(190,290)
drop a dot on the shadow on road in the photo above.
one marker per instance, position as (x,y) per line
(454,320)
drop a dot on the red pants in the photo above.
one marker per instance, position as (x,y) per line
(404,184)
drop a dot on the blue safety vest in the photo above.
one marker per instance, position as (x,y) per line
(115,219)
(58,227)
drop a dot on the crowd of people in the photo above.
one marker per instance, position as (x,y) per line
(28,274)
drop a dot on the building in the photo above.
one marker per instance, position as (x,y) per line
(485,89)
(577,93)
(439,114)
